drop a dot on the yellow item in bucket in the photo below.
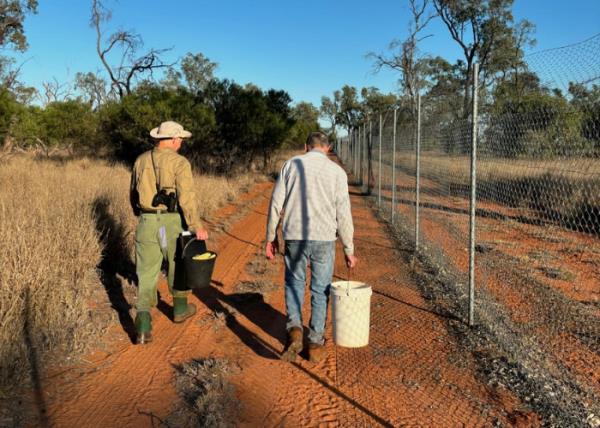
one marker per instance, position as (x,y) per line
(205,256)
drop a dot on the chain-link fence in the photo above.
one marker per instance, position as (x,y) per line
(511,229)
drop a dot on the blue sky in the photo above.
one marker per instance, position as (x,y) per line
(308,48)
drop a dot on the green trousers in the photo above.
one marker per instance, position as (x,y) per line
(156,241)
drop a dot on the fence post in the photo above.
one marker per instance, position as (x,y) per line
(350,150)
(380,139)
(360,150)
(370,155)
(347,151)
(418,175)
(358,142)
(473,198)
(356,152)
(394,165)
(351,160)
(366,156)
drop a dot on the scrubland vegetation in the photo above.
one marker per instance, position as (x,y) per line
(58,220)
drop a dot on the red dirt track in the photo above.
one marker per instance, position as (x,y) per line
(413,373)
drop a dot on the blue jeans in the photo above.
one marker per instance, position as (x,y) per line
(321,255)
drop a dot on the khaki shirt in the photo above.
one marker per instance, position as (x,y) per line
(173,173)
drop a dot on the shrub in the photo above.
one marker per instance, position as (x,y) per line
(208,397)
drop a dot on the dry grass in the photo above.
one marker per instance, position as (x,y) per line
(66,242)
(255,287)
(560,190)
(208,398)
(458,167)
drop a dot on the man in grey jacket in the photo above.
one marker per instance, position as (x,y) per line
(312,195)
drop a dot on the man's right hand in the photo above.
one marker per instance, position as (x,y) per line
(202,234)
(351,261)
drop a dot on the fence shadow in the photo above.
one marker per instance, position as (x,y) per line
(443,314)
(116,262)
(480,212)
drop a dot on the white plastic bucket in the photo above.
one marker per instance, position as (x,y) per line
(351,313)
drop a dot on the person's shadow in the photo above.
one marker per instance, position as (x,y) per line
(116,262)
(255,309)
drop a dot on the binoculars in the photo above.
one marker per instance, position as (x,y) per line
(167,199)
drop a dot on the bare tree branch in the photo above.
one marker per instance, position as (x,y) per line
(125,44)
(55,91)
(406,58)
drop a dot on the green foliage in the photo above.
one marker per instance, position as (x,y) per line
(196,70)
(13,14)
(126,124)
(306,118)
(527,120)
(486,33)
(330,109)
(587,100)
(250,123)
(93,89)
(374,101)
(350,109)
(232,126)
(445,88)
(70,123)
(8,108)
(28,127)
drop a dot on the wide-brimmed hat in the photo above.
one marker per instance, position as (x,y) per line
(170,129)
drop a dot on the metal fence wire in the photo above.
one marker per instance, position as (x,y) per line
(512,228)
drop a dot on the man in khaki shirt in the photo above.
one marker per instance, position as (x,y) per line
(162,168)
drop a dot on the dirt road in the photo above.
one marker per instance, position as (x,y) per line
(412,374)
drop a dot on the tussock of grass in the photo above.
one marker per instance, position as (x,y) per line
(216,320)
(66,249)
(208,398)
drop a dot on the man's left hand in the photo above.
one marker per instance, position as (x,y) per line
(271,249)
(351,261)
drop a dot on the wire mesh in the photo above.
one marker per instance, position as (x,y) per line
(537,263)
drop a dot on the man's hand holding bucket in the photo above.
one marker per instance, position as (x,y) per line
(201,234)
(351,261)
(271,249)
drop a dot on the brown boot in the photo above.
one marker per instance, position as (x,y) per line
(294,344)
(316,352)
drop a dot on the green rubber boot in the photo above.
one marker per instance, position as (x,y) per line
(182,310)
(143,327)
